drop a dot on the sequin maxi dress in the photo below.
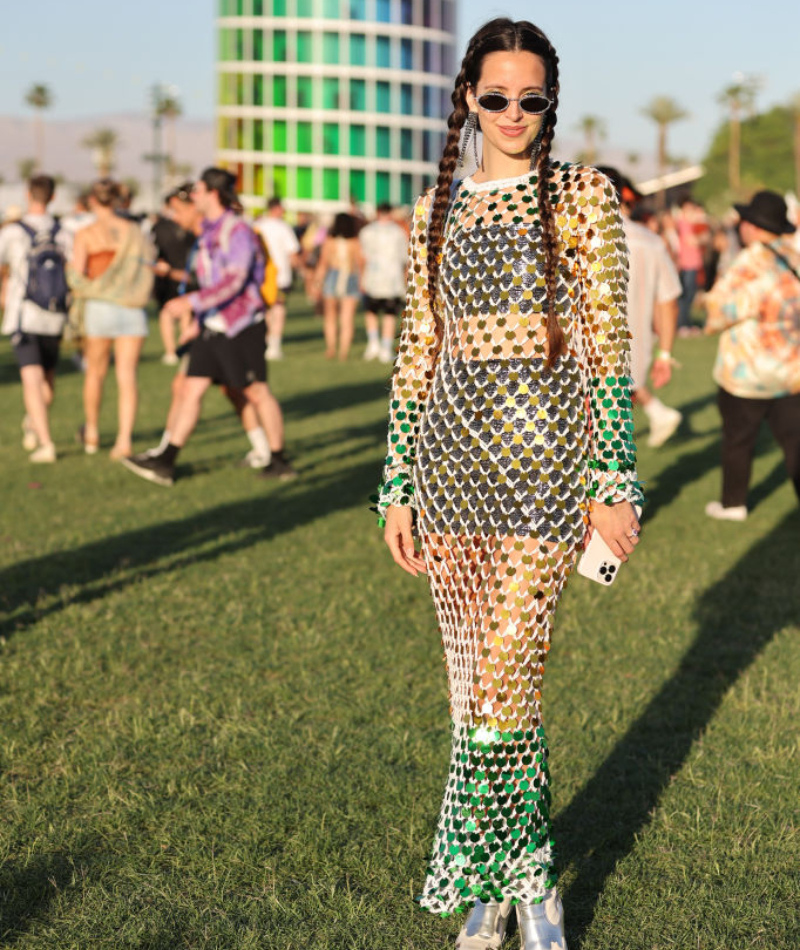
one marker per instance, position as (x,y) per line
(499,455)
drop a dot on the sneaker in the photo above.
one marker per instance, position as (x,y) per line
(254,459)
(151,467)
(170,359)
(29,437)
(274,352)
(386,354)
(44,454)
(279,468)
(373,350)
(663,426)
(715,509)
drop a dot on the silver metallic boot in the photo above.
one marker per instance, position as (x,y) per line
(541,926)
(485,926)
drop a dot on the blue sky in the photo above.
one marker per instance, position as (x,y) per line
(100,57)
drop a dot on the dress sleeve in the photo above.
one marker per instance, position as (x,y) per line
(604,347)
(413,373)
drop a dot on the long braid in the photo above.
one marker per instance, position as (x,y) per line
(556,342)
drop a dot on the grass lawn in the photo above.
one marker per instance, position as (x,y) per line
(224,710)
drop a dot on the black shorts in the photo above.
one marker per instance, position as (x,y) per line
(391,306)
(230,361)
(36,349)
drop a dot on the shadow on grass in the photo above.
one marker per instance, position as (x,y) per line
(736,619)
(39,587)
(316,402)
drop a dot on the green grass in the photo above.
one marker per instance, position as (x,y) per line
(224,711)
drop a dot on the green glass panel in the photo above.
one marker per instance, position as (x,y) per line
(240,100)
(258,90)
(258,10)
(358,140)
(383,142)
(279,136)
(279,7)
(407,195)
(383,97)
(330,48)
(358,49)
(305,53)
(258,180)
(358,95)
(258,45)
(279,91)
(305,92)
(240,143)
(330,138)
(358,184)
(305,8)
(279,181)
(332,9)
(305,182)
(279,46)
(222,125)
(222,45)
(383,187)
(239,45)
(258,135)
(406,144)
(383,52)
(222,6)
(330,93)
(383,11)
(240,8)
(330,184)
(358,9)
(305,136)
(406,99)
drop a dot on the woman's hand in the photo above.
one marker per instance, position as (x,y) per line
(399,537)
(618,527)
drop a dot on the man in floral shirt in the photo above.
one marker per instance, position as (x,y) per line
(755,306)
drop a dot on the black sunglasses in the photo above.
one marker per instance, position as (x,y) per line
(532,103)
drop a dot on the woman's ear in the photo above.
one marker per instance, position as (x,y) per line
(472,102)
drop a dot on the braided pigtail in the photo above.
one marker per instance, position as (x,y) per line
(556,342)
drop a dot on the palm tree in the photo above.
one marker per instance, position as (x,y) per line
(39,98)
(103,143)
(594,129)
(739,97)
(794,105)
(663,111)
(25,168)
(169,107)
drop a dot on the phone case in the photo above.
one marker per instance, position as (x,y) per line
(598,562)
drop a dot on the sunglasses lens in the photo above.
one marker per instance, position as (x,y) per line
(493,102)
(534,105)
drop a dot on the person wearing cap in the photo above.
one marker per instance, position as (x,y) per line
(755,307)
(653,292)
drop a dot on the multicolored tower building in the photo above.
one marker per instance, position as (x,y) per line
(324,102)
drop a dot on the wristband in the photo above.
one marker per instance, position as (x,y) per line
(664,355)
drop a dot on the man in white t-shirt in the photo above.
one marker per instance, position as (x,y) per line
(284,250)
(653,291)
(385,247)
(35,308)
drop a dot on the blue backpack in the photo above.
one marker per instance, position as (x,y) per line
(47,278)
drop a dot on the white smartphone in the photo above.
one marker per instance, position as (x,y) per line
(598,562)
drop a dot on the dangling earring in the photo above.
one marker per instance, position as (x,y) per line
(470,127)
(536,147)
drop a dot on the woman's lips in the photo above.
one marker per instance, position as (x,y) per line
(512,130)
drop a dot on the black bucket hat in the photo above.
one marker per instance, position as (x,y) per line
(767,210)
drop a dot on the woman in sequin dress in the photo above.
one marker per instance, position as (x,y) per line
(510,436)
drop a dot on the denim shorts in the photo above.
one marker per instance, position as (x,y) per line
(110,320)
(330,286)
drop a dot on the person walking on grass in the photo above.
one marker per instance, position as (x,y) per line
(337,279)
(284,250)
(653,292)
(33,255)
(226,331)
(510,433)
(384,245)
(755,307)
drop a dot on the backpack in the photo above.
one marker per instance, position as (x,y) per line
(47,279)
(269,286)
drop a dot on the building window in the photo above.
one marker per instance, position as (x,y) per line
(258,181)
(358,49)
(305,182)
(279,92)
(407,144)
(240,90)
(449,16)
(383,11)
(330,138)
(427,13)
(305,8)
(407,195)
(358,185)
(330,93)
(383,52)
(239,45)
(258,135)
(258,10)
(383,142)
(407,12)
(330,48)
(279,46)
(305,138)
(258,45)
(383,97)
(358,9)
(330,184)
(407,99)
(430,101)
(383,187)
(279,7)
(258,89)
(331,9)
(279,181)
(305,92)
(305,50)
(448,60)
(279,136)
(427,146)
(358,140)
(406,54)
(358,95)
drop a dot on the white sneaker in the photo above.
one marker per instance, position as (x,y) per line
(373,350)
(714,509)
(386,354)
(170,359)
(29,438)
(254,459)
(274,351)
(44,454)
(663,426)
